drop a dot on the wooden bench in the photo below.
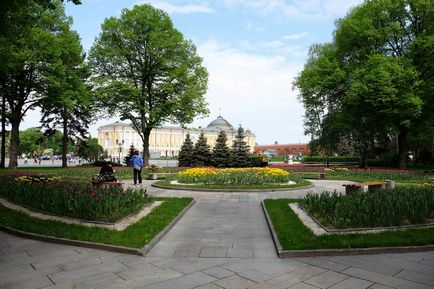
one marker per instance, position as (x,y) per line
(154,176)
(358,187)
(319,176)
(106,184)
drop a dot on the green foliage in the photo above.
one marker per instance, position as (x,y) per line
(402,205)
(221,154)
(31,47)
(369,89)
(201,152)
(31,142)
(185,157)
(91,150)
(135,236)
(145,71)
(73,199)
(240,153)
(127,158)
(257,161)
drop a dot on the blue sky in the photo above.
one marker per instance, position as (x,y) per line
(252,50)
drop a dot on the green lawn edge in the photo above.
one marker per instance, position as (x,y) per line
(135,236)
(293,235)
(164,183)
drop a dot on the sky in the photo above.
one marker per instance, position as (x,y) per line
(252,49)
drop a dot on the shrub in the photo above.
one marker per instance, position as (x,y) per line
(402,205)
(72,199)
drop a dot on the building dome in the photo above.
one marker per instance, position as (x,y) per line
(220,123)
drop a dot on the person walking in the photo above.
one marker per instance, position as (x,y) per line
(137,164)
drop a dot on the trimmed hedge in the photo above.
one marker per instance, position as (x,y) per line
(332,159)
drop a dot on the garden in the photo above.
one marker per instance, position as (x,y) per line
(55,195)
(234,179)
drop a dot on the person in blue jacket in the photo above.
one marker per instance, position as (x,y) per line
(137,164)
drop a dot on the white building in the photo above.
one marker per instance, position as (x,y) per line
(165,141)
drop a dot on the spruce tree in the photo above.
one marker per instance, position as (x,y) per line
(185,157)
(221,153)
(240,155)
(202,152)
(127,158)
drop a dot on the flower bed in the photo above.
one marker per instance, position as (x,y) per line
(72,199)
(236,176)
(400,206)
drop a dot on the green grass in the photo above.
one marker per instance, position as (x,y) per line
(135,236)
(234,187)
(293,235)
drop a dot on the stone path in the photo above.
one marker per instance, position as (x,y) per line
(221,242)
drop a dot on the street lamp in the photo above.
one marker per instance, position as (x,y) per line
(120,150)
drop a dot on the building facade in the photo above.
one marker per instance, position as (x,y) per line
(165,141)
(283,149)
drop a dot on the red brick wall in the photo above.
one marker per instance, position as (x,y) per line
(284,149)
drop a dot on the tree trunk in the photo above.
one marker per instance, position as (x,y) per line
(402,148)
(146,134)
(15,142)
(3,136)
(65,140)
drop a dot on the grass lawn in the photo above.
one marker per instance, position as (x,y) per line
(233,187)
(135,236)
(293,235)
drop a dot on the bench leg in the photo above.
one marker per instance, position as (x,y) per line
(353,190)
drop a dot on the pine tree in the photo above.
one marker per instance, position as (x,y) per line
(127,158)
(202,152)
(240,151)
(221,153)
(185,157)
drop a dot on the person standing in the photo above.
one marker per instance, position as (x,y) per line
(137,164)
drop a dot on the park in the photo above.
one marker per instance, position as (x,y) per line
(354,210)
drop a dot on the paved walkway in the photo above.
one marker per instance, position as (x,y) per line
(221,242)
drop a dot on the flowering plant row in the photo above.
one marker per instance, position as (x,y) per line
(72,199)
(236,176)
(400,206)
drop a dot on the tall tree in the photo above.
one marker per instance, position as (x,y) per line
(90,150)
(201,152)
(68,104)
(146,72)
(185,157)
(221,153)
(240,154)
(377,96)
(29,53)
(129,156)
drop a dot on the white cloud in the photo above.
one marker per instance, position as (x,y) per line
(170,8)
(295,36)
(252,27)
(295,8)
(253,90)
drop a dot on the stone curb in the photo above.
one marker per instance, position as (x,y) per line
(281,253)
(113,248)
(231,190)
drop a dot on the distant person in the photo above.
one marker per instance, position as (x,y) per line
(137,164)
(107,174)
(35,161)
(25,160)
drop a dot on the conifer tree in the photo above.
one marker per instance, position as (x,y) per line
(127,158)
(202,152)
(240,150)
(221,153)
(185,157)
